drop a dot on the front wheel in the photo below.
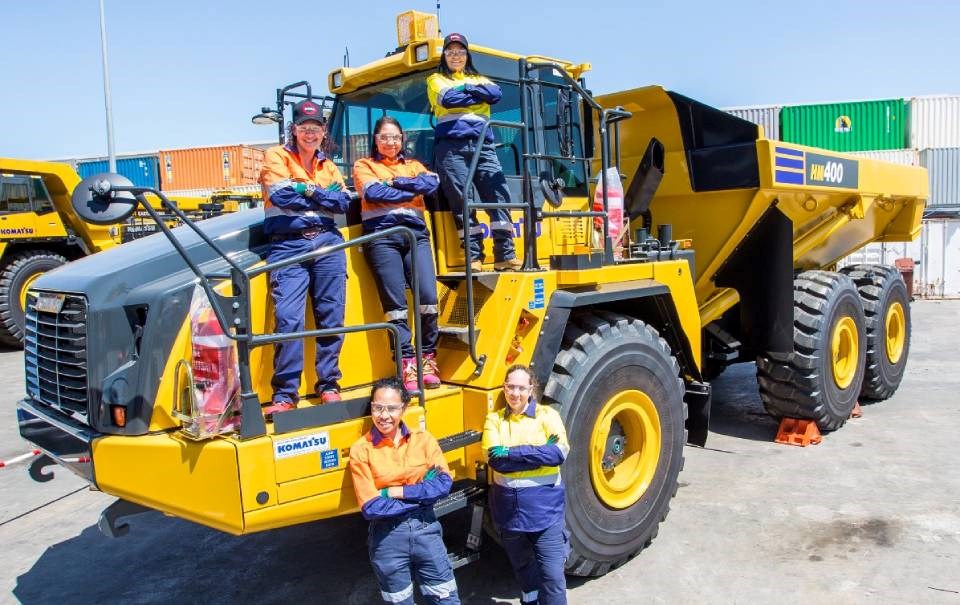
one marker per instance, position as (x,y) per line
(617,386)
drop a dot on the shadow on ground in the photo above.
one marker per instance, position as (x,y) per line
(737,410)
(165,560)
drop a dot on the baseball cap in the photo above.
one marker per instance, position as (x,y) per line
(307,110)
(459,38)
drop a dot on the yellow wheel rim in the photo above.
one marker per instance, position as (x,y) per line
(845,346)
(895,329)
(26,287)
(629,419)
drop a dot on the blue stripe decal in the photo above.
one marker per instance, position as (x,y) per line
(788,151)
(789,163)
(792,178)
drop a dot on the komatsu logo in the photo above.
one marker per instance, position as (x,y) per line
(19,231)
(295,446)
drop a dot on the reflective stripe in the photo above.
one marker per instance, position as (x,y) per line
(399,596)
(429,309)
(275,211)
(501,226)
(564,449)
(395,315)
(530,596)
(439,590)
(450,117)
(280,185)
(384,211)
(522,482)
(368,183)
(473,231)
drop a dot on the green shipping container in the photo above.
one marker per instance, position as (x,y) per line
(859,126)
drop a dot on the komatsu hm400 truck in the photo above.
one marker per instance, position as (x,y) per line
(622,332)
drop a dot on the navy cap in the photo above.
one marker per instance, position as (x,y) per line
(305,111)
(458,38)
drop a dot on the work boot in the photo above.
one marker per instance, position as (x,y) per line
(410,374)
(278,405)
(330,396)
(513,264)
(431,379)
(476,266)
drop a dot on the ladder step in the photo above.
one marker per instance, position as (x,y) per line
(487,279)
(458,440)
(459,499)
(459,559)
(461,333)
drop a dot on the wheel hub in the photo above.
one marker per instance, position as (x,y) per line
(844,346)
(625,448)
(895,331)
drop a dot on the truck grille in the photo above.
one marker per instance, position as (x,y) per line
(55,352)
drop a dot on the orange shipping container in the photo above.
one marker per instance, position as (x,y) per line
(210,167)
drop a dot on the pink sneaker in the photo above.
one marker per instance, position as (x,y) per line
(410,374)
(431,378)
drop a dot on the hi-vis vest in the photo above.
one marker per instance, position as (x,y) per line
(367,171)
(281,171)
(457,122)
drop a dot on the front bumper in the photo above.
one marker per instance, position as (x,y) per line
(63,439)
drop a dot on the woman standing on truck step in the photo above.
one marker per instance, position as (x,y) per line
(525,444)
(461,98)
(392,189)
(302,190)
(398,474)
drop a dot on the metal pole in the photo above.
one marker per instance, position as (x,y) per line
(111,157)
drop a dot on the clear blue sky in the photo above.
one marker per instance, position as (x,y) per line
(193,72)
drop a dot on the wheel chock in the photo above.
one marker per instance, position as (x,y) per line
(856,412)
(798,431)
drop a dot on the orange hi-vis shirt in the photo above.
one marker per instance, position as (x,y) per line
(287,211)
(377,462)
(384,206)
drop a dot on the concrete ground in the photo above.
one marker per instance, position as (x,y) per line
(871,515)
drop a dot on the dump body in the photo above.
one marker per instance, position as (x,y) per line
(720,178)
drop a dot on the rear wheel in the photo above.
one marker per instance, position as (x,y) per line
(821,379)
(618,389)
(16,277)
(887,308)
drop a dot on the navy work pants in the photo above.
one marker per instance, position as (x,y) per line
(413,546)
(537,558)
(452,161)
(392,264)
(325,278)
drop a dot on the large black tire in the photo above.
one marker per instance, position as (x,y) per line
(810,383)
(608,358)
(887,308)
(18,272)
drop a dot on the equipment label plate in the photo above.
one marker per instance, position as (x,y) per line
(329,459)
(50,303)
(295,446)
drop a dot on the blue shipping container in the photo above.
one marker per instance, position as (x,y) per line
(142,170)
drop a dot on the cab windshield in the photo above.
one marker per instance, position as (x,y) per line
(406,100)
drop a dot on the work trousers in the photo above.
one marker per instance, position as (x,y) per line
(537,558)
(412,546)
(452,161)
(392,264)
(325,277)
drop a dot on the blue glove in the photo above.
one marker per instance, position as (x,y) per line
(431,473)
(300,188)
(333,187)
(384,493)
(553,440)
(498,451)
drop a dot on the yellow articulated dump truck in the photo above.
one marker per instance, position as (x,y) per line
(39,231)
(620,324)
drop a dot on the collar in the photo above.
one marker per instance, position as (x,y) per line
(530,411)
(376,155)
(377,436)
(292,148)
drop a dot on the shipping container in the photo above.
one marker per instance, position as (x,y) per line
(907,157)
(853,126)
(210,167)
(140,169)
(934,121)
(767,116)
(943,166)
(936,253)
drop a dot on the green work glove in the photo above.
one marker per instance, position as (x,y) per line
(384,493)
(300,188)
(431,473)
(498,451)
(553,440)
(334,187)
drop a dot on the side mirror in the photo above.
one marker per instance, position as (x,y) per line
(95,200)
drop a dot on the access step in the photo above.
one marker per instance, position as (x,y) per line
(461,333)
(460,497)
(487,279)
(458,440)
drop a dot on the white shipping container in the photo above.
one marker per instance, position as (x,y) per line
(907,157)
(767,116)
(934,121)
(936,252)
(943,166)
